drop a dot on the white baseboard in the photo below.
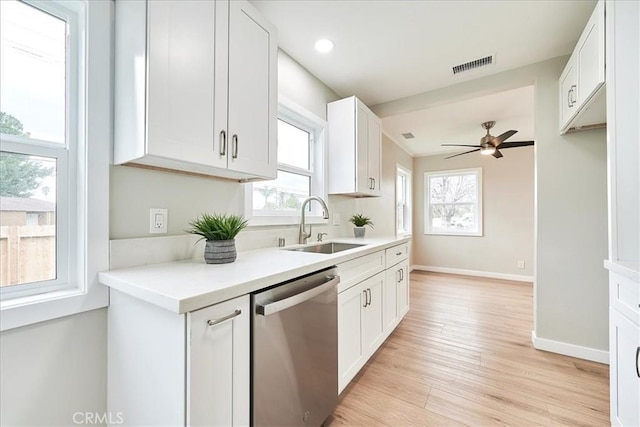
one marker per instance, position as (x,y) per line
(572,350)
(476,273)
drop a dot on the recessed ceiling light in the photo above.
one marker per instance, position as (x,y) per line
(324,45)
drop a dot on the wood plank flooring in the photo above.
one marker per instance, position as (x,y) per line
(463,356)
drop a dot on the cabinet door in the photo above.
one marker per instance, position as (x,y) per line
(252,91)
(590,56)
(218,364)
(374,153)
(568,94)
(364,183)
(350,355)
(624,345)
(402,290)
(182,52)
(372,324)
(390,299)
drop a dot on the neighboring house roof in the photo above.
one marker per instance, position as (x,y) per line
(23,204)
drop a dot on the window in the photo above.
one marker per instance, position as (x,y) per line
(36,73)
(300,170)
(453,202)
(53,185)
(403,201)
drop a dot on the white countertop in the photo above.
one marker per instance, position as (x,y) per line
(189,285)
(626,269)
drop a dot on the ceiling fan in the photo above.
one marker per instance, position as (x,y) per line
(491,145)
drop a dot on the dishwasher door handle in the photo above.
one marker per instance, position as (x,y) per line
(276,306)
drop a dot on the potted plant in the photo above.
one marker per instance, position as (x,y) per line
(359,221)
(219,230)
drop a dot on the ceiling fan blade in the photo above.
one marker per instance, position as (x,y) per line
(515,144)
(500,138)
(460,154)
(497,154)
(460,145)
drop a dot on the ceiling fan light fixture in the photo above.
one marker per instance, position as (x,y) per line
(487,151)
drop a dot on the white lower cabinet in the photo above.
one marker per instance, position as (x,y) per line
(624,370)
(179,369)
(624,350)
(369,310)
(360,327)
(218,360)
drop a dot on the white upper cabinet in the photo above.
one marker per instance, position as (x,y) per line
(196,87)
(582,92)
(253,98)
(355,149)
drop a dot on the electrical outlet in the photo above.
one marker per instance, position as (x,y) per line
(158,220)
(520,264)
(336,218)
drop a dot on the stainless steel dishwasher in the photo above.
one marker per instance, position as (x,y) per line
(295,351)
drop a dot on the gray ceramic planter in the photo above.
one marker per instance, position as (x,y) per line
(358,231)
(220,251)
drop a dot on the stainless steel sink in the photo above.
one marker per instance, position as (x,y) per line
(326,248)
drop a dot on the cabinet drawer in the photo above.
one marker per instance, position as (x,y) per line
(359,269)
(624,295)
(396,254)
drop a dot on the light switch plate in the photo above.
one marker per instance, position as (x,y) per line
(336,218)
(158,219)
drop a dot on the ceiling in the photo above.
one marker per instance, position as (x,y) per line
(459,122)
(387,50)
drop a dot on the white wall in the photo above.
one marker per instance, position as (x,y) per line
(53,369)
(508,216)
(570,288)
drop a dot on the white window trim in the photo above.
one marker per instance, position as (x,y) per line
(92,183)
(408,202)
(288,108)
(427,203)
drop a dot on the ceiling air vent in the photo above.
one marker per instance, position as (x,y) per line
(408,135)
(476,63)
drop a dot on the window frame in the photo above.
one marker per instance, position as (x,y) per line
(61,153)
(478,203)
(296,115)
(407,220)
(86,163)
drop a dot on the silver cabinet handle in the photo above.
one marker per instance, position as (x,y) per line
(276,306)
(234,141)
(214,322)
(374,184)
(398,279)
(398,253)
(369,292)
(223,143)
(402,274)
(570,96)
(365,298)
(638,361)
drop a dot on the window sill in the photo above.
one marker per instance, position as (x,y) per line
(18,312)
(452,233)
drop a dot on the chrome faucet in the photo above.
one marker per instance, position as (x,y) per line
(303,235)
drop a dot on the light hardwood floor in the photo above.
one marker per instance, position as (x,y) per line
(463,356)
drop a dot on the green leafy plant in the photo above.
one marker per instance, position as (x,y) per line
(217,226)
(360,220)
